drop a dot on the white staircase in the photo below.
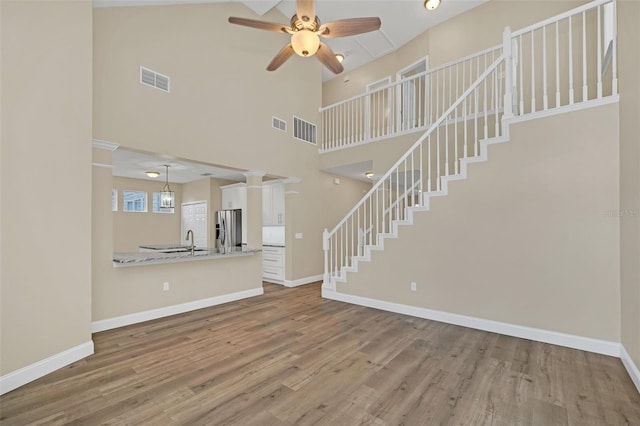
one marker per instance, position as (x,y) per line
(522,81)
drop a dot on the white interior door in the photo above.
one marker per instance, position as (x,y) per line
(194,217)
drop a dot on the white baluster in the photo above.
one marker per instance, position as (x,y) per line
(571,92)
(533,72)
(545,97)
(585,89)
(599,43)
(557,67)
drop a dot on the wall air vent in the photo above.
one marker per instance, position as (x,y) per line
(278,123)
(304,130)
(154,79)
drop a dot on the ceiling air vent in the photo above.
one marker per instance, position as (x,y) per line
(154,79)
(278,123)
(304,130)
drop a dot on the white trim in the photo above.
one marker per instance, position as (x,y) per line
(254,173)
(302,281)
(571,341)
(292,179)
(234,185)
(109,146)
(27,374)
(593,103)
(631,367)
(105,166)
(110,323)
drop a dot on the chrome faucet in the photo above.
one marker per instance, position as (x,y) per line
(192,241)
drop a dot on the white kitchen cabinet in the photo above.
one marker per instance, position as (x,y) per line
(273,264)
(235,197)
(273,204)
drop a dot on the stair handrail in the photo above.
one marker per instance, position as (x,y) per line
(420,140)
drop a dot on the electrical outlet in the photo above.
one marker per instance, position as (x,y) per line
(165,286)
(413,286)
(298,235)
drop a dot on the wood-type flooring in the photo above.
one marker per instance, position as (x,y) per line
(290,357)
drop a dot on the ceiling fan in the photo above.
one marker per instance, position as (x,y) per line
(305,30)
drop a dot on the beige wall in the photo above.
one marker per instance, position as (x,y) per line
(130,229)
(220,106)
(629,64)
(131,290)
(530,228)
(46,180)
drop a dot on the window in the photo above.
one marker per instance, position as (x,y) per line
(114,200)
(156,205)
(134,201)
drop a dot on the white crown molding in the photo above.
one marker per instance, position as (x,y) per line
(121,321)
(27,374)
(235,185)
(292,179)
(555,338)
(104,166)
(254,173)
(109,146)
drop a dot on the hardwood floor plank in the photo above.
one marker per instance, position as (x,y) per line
(289,357)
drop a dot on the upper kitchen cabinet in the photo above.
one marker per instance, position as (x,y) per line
(235,197)
(273,204)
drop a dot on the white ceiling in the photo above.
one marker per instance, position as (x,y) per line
(132,164)
(402,20)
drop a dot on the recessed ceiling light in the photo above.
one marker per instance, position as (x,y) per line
(340,57)
(369,174)
(152,174)
(431,4)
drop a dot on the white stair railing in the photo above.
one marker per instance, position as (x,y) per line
(455,135)
(559,63)
(562,61)
(404,106)
(565,60)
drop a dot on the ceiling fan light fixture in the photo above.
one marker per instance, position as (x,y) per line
(340,57)
(305,43)
(431,4)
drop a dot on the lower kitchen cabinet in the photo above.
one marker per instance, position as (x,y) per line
(273,264)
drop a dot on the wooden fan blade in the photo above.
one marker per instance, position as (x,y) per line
(328,58)
(262,25)
(282,56)
(306,10)
(348,27)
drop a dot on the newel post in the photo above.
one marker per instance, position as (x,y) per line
(325,248)
(507,51)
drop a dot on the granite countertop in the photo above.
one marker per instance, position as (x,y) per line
(137,259)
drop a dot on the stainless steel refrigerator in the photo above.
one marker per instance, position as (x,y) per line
(229,230)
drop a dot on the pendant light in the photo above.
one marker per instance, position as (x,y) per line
(167,196)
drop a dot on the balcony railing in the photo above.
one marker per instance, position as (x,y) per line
(562,61)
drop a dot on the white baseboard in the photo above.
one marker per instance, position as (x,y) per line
(631,367)
(110,323)
(302,281)
(27,374)
(576,342)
